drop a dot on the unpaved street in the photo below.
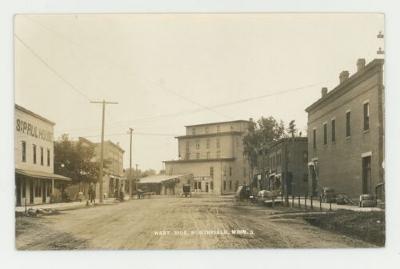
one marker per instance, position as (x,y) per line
(200,222)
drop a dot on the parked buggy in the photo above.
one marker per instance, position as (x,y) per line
(186,190)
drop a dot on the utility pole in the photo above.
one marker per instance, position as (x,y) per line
(104,103)
(130,163)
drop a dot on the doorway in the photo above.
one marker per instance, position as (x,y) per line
(18,190)
(43,185)
(366,175)
(31,197)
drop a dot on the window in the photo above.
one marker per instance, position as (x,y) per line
(224,170)
(366,116)
(197,155)
(212,185)
(23,144)
(230,171)
(187,156)
(305,156)
(193,131)
(197,144)
(212,172)
(41,156)
(218,143)
(325,134)
(218,129)
(206,130)
(314,138)
(23,188)
(208,143)
(230,184)
(333,130)
(224,185)
(34,154)
(218,154)
(48,157)
(208,155)
(348,131)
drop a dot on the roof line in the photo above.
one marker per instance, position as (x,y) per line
(33,114)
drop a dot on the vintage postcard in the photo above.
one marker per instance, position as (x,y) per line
(199,131)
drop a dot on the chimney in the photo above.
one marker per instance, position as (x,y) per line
(343,76)
(324,92)
(360,64)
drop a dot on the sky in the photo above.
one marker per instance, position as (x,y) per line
(171,70)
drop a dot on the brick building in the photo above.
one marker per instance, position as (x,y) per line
(284,166)
(346,133)
(114,177)
(213,153)
(35,180)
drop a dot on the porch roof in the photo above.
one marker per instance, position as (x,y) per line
(40,174)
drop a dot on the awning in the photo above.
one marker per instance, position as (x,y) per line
(40,174)
(158,179)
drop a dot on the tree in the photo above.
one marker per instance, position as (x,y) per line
(76,160)
(260,136)
(292,130)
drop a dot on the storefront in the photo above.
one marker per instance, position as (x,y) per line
(35,180)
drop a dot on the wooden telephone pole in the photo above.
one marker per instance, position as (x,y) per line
(104,103)
(130,163)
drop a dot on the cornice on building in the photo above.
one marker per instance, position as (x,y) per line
(210,134)
(347,84)
(27,111)
(200,160)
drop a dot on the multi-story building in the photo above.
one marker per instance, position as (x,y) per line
(346,133)
(113,178)
(35,180)
(213,153)
(284,166)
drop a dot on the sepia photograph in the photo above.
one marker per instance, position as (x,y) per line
(154,131)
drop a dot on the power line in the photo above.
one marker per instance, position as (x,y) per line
(124,69)
(55,72)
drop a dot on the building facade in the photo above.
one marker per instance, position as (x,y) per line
(113,179)
(346,134)
(284,167)
(35,180)
(213,153)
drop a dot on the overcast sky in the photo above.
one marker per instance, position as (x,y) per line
(171,70)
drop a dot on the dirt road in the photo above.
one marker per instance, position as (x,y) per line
(200,222)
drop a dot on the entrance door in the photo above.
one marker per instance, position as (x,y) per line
(313,179)
(43,183)
(18,190)
(366,175)
(31,193)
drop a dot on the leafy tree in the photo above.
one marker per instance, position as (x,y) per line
(76,160)
(260,136)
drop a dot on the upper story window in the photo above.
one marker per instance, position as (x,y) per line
(206,130)
(305,156)
(208,155)
(23,145)
(218,129)
(208,143)
(211,171)
(218,143)
(34,153)
(314,138)
(325,134)
(41,156)
(348,123)
(366,116)
(333,130)
(218,154)
(230,171)
(197,155)
(193,131)
(197,144)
